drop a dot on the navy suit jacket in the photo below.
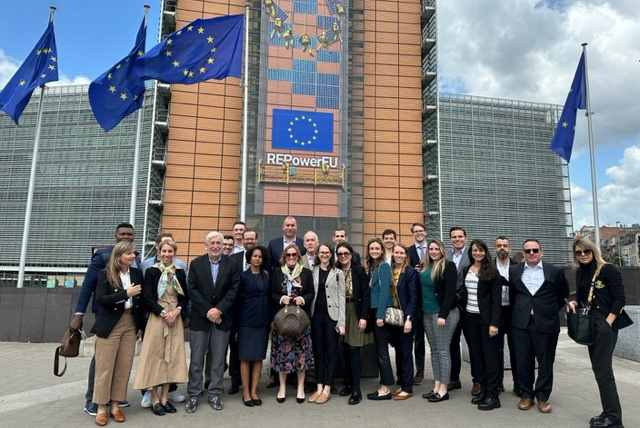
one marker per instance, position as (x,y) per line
(408,284)
(276,248)
(204,296)
(546,303)
(253,307)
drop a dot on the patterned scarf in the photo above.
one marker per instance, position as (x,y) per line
(168,279)
(290,276)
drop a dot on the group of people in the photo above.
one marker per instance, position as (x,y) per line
(394,296)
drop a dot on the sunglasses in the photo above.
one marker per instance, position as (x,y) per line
(345,254)
(579,253)
(532,250)
(291,255)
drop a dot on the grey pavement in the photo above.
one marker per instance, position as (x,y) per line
(31,396)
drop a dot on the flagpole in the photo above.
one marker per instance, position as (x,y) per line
(32,181)
(592,156)
(136,154)
(245,118)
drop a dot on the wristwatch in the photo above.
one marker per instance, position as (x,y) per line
(163,313)
(409,318)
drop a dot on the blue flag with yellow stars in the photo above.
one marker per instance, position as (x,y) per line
(204,49)
(40,67)
(119,91)
(562,142)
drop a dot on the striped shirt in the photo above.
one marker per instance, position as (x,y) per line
(471,282)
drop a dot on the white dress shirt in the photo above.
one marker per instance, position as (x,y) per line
(532,278)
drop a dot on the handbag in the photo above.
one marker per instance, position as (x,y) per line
(291,321)
(393,315)
(581,325)
(69,348)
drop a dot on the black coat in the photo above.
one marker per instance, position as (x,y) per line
(608,293)
(150,290)
(253,307)
(307,292)
(361,291)
(112,299)
(204,296)
(446,289)
(489,298)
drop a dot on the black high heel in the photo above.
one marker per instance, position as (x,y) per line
(281,399)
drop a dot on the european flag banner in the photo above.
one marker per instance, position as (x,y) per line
(203,49)
(302,130)
(562,142)
(119,91)
(40,67)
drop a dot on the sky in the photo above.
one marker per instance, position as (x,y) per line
(517,49)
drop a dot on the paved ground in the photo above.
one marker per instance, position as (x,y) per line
(31,396)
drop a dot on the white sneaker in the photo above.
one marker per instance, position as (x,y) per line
(176,397)
(146,400)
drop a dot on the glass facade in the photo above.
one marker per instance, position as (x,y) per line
(83,183)
(498,176)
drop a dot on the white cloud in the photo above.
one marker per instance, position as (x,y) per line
(577,191)
(9,66)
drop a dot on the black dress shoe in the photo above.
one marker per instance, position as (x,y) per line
(355,398)
(595,418)
(345,391)
(478,398)
(158,409)
(605,421)
(248,403)
(438,398)
(257,401)
(428,395)
(281,399)
(192,405)
(334,390)
(169,408)
(215,403)
(233,389)
(377,397)
(489,404)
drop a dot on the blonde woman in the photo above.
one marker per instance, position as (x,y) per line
(118,322)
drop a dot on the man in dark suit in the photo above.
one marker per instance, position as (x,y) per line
(99,259)
(537,294)
(503,262)
(458,254)
(276,245)
(340,235)
(417,252)
(213,284)
(250,240)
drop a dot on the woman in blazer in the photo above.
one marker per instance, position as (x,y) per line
(607,305)
(327,321)
(379,279)
(292,283)
(482,302)
(438,279)
(358,300)
(403,291)
(120,318)
(162,360)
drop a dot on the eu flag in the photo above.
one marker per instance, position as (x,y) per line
(40,67)
(119,91)
(562,142)
(203,49)
(302,130)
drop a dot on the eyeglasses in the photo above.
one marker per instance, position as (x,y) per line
(345,254)
(531,250)
(579,253)
(291,255)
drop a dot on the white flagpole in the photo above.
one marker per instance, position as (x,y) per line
(32,181)
(136,154)
(245,118)
(592,156)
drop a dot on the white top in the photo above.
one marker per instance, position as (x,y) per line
(237,249)
(471,283)
(125,279)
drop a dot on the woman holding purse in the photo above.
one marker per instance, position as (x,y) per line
(117,324)
(327,321)
(599,285)
(162,359)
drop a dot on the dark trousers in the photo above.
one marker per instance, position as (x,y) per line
(234,359)
(485,353)
(456,357)
(418,344)
(325,345)
(601,353)
(88,397)
(403,343)
(381,336)
(530,343)
(353,366)
(506,329)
